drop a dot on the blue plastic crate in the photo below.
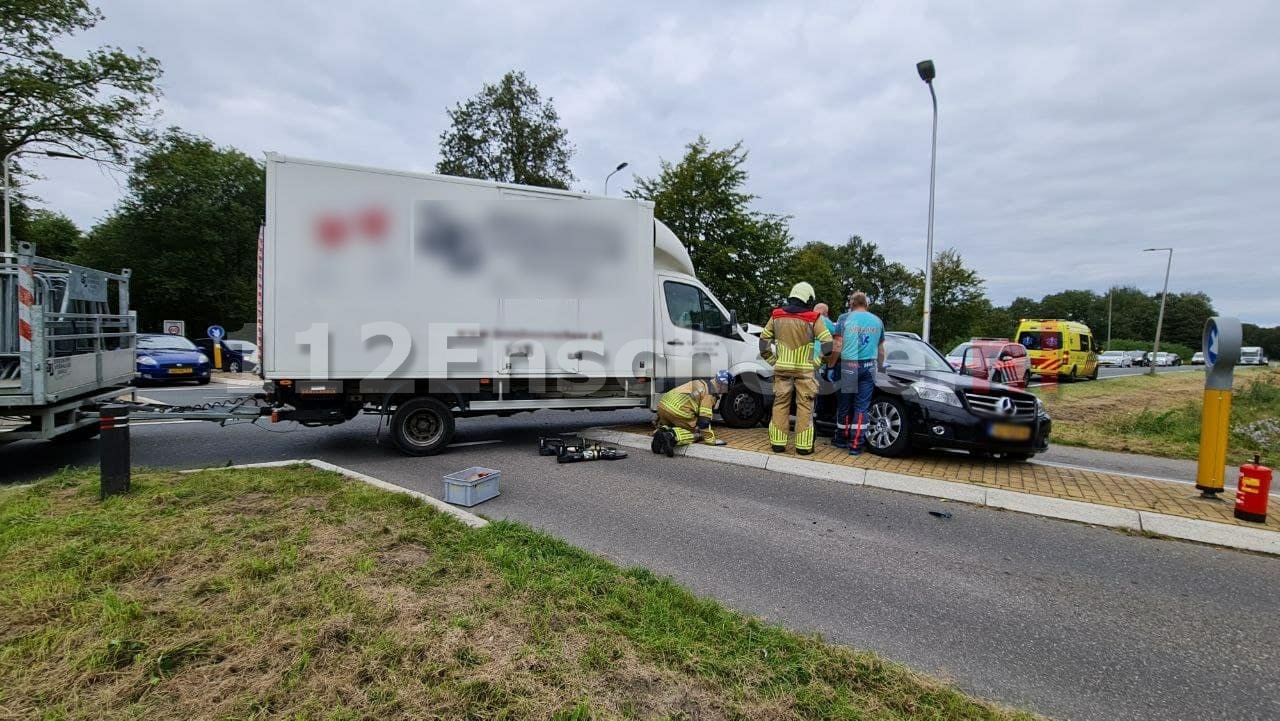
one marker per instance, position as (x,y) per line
(465,489)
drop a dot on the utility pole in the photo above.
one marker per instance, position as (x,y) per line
(1164,296)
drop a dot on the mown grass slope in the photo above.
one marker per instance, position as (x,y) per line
(294,593)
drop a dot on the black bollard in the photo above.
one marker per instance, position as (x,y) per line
(113,449)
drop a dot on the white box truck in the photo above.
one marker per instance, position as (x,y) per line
(428,297)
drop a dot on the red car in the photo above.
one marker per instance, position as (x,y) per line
(999,360)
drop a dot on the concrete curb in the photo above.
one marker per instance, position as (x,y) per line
(1187,529)
(465,517)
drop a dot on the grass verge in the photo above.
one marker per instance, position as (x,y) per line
(1160,416)
(245,594)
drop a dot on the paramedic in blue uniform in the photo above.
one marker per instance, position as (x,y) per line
(859,340)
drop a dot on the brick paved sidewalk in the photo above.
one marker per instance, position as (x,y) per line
(1109,489)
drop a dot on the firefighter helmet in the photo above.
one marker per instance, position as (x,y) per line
(802,291)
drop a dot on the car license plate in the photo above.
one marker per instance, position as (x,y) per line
(1010,432)
(180,371)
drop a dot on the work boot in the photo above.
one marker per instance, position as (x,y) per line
(839,442)
(668,442)
(855,450)
(656,445)
(779,449)
(804,451)
(718,442)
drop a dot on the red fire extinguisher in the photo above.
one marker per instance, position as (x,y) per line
(1252,490)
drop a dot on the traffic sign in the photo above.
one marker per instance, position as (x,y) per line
(175,327)
(1211,345)
(216,332)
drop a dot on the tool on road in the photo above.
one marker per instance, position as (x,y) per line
(939,514)
(550,445)
(1221,345)
(577,450)
(1252,489)
(590,452)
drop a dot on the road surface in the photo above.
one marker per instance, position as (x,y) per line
(1068,620)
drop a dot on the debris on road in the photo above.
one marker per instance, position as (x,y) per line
(939,514)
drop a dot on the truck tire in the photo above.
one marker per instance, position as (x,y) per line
(742,407)
(422,426)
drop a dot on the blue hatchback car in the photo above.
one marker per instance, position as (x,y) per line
(169,358)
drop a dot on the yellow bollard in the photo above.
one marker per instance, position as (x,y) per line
(1215,421)
(217,355)
(1221,345)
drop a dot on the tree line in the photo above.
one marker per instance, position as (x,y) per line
(189,220)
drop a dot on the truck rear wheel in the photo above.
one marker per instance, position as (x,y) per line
(422,426)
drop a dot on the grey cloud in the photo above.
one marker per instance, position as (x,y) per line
(1070,137)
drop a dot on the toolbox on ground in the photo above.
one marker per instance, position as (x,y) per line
(474,485)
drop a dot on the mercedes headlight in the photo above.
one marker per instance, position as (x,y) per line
(1040,410)
(936,393)
(146,360)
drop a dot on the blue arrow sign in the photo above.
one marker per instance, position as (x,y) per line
(216,332)
(1211,347)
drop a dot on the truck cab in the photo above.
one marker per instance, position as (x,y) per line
(697,336)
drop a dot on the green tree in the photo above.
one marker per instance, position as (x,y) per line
(814,263)
(959,299)
(54,234)
(507,133)
(1184,318)
(889,286)
(1082,306)
(741,254)
(98,105)
(1133,314)
(188,227)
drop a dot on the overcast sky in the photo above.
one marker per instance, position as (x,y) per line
(1070,137)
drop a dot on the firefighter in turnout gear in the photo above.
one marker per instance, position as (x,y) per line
(684,414)
(787,343)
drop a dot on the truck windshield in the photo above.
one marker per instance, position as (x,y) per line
(1040,340)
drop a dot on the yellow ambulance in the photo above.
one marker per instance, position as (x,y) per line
(1060,347)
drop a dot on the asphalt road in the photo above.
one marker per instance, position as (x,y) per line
(1072,621)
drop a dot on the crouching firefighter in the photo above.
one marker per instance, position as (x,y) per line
(787,343)
(684,414)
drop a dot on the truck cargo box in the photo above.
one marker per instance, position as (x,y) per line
(376,273)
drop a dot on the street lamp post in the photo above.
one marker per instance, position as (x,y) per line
(1109,294)
(1164,295)
(8,238)
(927,74)
(610,175)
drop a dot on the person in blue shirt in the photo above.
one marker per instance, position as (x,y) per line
(859,337)
(823,310)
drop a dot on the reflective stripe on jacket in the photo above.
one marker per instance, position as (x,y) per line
(793,335)
(690,400)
